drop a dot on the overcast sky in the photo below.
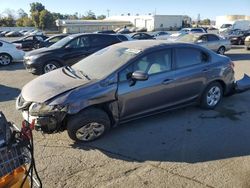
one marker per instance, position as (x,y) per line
(207,9)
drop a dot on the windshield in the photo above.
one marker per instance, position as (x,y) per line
(188,38)
(226,25)
(62,42)
(105,61)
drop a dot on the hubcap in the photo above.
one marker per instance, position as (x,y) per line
(90,131)
(4,60)
(221,51)
(49,67)
(213,96)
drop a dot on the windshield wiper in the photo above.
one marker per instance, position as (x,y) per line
(68,68)
(85,75)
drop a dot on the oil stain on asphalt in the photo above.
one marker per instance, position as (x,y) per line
(224,112)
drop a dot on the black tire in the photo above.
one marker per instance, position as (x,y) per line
(204,103)
(88,117)
(50,63)
(221,50)
(7,57)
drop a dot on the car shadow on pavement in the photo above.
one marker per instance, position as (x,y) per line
(8,93)
(188,135)
(13,67)
(240,56)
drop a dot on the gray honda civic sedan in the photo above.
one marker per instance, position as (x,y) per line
(124,82)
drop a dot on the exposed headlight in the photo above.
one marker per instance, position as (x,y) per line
(31,58)
(41,109)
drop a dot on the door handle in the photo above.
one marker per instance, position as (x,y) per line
(167,81)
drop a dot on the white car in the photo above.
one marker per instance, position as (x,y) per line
(10,53)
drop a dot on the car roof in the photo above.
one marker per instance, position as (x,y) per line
(143,45)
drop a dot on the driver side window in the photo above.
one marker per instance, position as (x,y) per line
(152,63)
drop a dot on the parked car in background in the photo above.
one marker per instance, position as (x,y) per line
(124,82)
(141,36)
(247,43)
(9,53)
(192,30)
(14,34)
(3,33)
(30,42)
(106,32)
(159,33)
(210,41)
(240,38)
(67,51)
(51,40)
(124,37)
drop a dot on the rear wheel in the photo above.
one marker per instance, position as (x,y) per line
(212,96)
(5,59)
(88,125)
(221,50)
(50,66)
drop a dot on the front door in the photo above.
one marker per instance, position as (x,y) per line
(145,96)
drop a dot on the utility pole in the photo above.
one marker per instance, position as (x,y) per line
(108,12)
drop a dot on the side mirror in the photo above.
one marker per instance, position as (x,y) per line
(199,41)
(139,76)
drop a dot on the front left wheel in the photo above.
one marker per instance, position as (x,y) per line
(88,125)
(50,66)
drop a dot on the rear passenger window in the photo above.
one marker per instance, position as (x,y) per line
(212,38)
(187,57)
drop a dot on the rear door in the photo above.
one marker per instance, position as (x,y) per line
(99,42)
(191,67)
(76,49)
(213,42)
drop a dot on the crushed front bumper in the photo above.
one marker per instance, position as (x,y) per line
(243,84)
(46,123)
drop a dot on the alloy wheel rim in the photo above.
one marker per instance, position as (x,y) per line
(4,60)
(49,67)
(221,51)
(90,131)
(213,96)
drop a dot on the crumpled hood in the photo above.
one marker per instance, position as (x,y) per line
(50,85)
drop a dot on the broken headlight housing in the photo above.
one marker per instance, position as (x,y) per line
(36,109)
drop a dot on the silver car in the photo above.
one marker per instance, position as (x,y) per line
(210,41)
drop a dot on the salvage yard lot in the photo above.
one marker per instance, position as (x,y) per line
(185,148)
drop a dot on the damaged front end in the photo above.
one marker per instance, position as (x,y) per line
(48,118)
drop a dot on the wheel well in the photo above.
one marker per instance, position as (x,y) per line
(222,83)
(103,106)
(4,53)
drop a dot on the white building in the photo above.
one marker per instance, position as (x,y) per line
(229,19)
(154,22)
(150,22)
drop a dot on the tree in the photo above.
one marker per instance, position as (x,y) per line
(206,22)
(90,16)
(21,13)
(24,22)
(101,17)
(7,22)
(46,20)
(36,7)
(35,18)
